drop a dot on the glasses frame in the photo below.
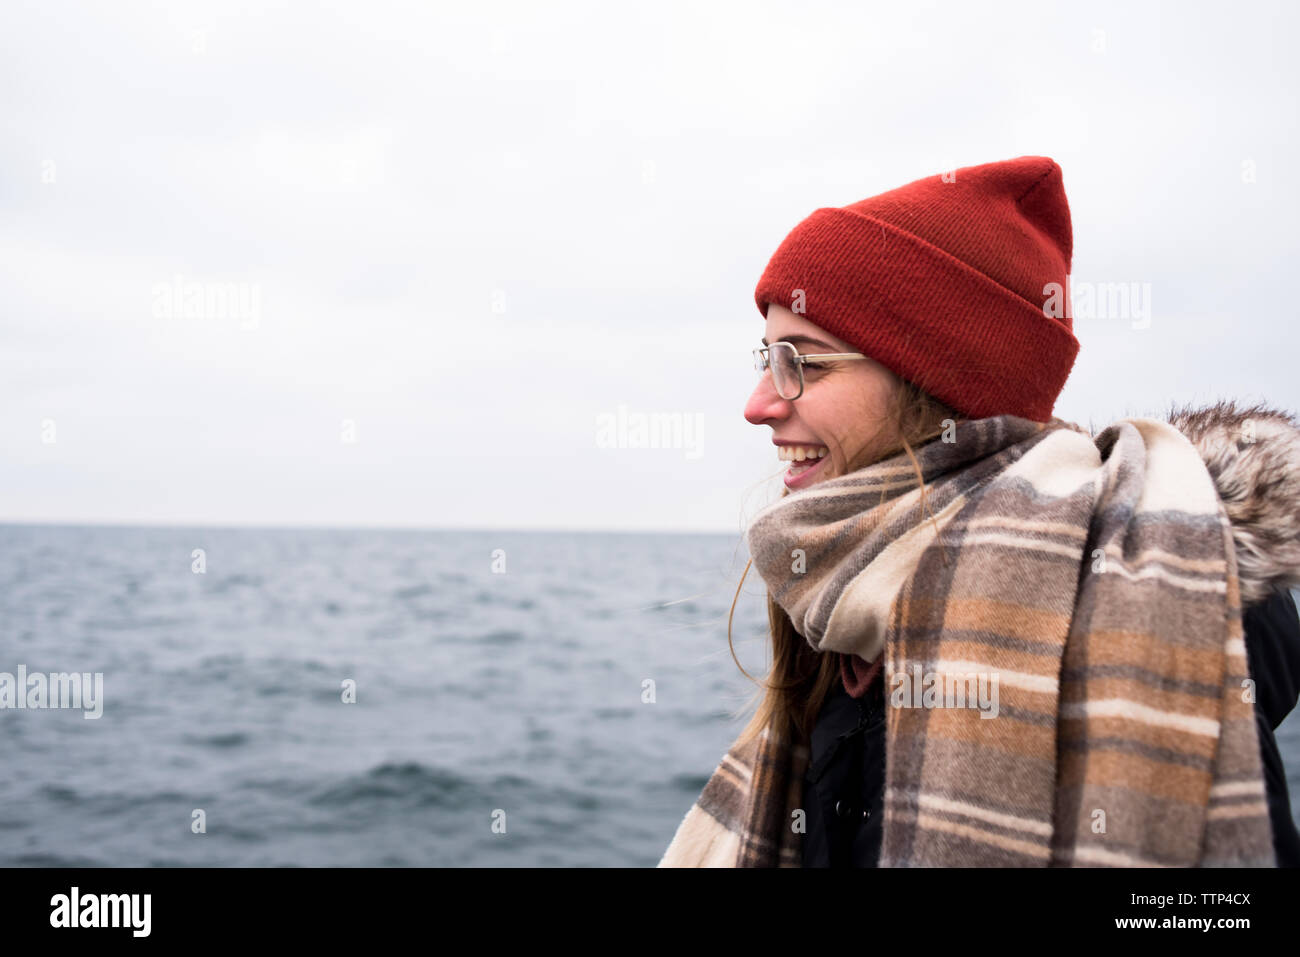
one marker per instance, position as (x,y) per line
(763,362)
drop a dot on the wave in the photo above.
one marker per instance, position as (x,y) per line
(407,782)
(229,739)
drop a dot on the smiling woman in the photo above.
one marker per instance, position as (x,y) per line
(939,527)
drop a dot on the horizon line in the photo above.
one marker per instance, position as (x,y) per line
(305,527)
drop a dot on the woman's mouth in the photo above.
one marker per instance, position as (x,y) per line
(805,461)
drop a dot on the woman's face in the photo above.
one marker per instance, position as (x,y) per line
(843,409)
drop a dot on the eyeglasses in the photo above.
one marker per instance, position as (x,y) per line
(787,366)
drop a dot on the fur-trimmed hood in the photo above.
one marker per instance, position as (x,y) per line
(1253,455)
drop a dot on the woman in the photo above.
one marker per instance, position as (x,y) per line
(998,639)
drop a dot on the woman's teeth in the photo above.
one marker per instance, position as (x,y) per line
(797,453)
(804,457)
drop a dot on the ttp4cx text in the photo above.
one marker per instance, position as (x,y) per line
(1160,900)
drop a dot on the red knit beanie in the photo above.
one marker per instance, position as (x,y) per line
(945,281)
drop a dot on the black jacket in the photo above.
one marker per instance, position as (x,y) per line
(844,785)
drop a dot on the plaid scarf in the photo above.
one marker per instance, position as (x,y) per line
(1064,656)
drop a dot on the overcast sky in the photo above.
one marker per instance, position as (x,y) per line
(460,234)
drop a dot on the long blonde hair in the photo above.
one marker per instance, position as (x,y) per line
(800,678)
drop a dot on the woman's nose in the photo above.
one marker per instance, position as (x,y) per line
(764,404)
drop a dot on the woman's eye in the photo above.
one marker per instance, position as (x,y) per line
(814,365)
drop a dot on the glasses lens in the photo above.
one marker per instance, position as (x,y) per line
(785,369)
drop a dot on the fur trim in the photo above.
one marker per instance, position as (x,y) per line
(1253,455)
